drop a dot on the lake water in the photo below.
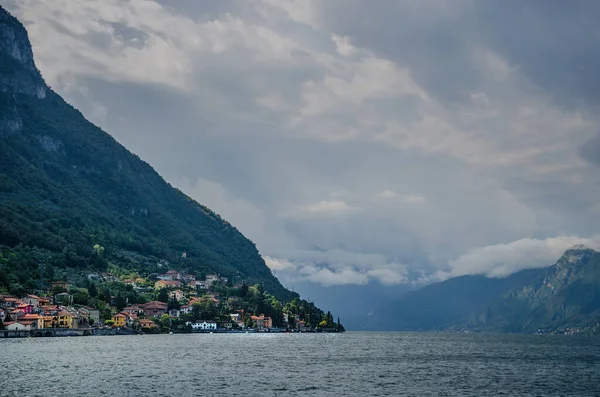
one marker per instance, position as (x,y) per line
(354,363)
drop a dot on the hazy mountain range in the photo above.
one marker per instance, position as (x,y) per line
(564,295)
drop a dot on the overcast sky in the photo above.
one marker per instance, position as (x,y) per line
(353,141)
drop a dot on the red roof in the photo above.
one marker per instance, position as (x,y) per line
(155,306)
(30,316)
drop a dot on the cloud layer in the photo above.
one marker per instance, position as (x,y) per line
(420,142)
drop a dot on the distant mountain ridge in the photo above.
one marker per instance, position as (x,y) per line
(563,296)
(66,187)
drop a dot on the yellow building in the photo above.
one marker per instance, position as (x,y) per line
(63,319)
(66,320)
(167,284)
(34,320)
(119,320)
(147,324)
(49,321)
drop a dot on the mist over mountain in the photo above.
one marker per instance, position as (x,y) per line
(563,296)
(357,305)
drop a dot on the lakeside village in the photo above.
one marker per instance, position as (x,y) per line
(172,302)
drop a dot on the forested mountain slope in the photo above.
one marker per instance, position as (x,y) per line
(66,187)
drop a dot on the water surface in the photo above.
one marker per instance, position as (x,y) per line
(354,363)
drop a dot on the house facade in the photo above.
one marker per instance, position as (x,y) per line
(186,309)
(155,309)
(16,326)
(167,284)
(93,315)
(33,300)
(60,284)
(119,320)
(204,326)
(147,324)
(173,275)
(262,321)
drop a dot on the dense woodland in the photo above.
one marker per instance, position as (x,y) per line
(66,186)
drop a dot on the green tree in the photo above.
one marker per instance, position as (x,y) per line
(173,303)
(244,290)
(105,295)
(120,302)
(81,297)
(59,290)
(165,321)
(330,323)
(92,290)
(196,310)
(99,250)
(1,324)
(18,290)
(163,295)
(106,313)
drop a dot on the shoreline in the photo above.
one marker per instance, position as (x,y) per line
(70,332)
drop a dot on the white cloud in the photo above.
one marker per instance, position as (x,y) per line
(343,46)
(326,276)
(388,276)
(348,153)
(278,264)
(387,194)
(337,267)
(328,207)
(414,199)
(390,195)
(504,259)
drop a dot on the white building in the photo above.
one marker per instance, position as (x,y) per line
(211,278)
(186,309)
(205,325)
(18,327)
(202,285)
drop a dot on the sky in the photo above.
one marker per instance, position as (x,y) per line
(357,143)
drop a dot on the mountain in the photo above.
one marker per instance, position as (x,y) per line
(565,295)
(356,304)
(72,196)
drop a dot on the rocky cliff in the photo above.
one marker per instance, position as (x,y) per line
(560,297)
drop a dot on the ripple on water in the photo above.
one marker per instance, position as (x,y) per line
(362,364)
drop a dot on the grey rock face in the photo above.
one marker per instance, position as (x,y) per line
(10,121)
(50,144)
(19,73)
